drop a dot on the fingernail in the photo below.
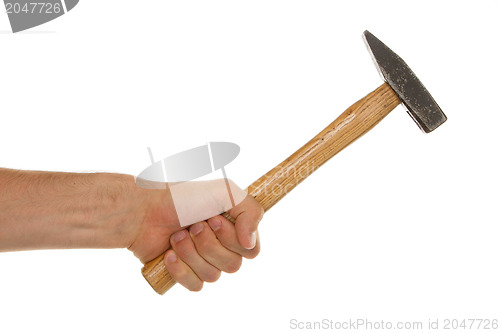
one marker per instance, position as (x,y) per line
(196,228)
(215,224)
(171,257)
(253,239)
(178,236)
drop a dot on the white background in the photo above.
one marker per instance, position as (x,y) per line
(399,226)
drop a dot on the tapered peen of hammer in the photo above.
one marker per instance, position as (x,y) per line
(402,86)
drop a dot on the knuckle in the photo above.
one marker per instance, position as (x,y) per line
(258,212)
(234,265)
(206,245)
(251,254)
(195,286)
(183,250)
(179,274)
(261,213)
(212,276)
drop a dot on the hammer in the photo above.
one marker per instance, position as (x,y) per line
(401,86)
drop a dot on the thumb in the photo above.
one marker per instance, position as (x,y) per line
(248,215)
(197,201)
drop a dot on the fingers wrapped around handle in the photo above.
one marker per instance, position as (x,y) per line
(246,218)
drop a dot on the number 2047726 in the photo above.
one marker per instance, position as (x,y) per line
(471,324)
(33,8)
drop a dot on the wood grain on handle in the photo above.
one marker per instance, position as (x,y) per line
(274,185)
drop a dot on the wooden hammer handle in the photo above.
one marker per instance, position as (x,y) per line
(274,185)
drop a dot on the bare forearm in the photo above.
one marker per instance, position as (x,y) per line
(47,210)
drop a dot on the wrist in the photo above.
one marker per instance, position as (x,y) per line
(116,213)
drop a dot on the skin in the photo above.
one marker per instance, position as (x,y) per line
(54,210)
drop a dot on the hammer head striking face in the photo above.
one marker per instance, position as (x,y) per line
(420,104)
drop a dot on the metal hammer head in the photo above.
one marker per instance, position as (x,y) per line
(419,103)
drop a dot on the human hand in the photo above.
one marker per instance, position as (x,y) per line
(199,253)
